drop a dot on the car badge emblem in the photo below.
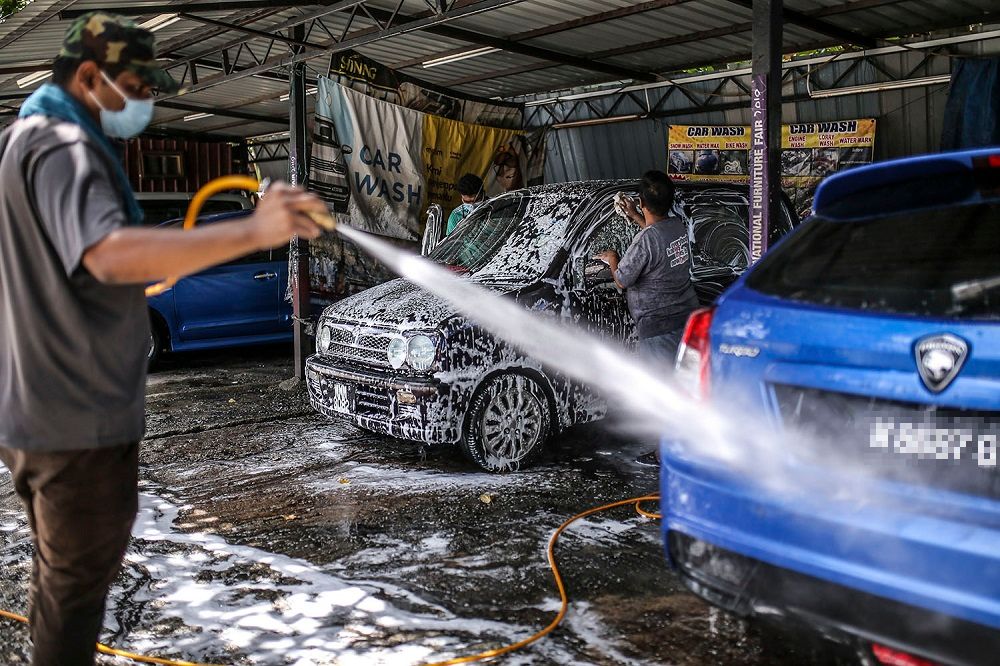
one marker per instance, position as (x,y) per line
(939,360)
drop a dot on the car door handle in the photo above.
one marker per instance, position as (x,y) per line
(264,275)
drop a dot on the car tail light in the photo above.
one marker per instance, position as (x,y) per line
(987,171)
(692,366)
(889,657)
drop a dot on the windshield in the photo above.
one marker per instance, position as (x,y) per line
(504,240)
(904,263)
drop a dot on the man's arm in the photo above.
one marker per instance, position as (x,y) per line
(140,255)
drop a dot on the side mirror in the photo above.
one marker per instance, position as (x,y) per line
(434,230)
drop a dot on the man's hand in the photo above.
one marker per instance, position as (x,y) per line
(610,257)
(283,213)
(628,206)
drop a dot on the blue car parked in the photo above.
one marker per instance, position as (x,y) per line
(871,332)
(241,302)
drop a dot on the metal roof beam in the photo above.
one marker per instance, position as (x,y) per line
(701,35)
(565,26)
(291,23)
(247,31)
(172,8)
(224,113)
(195,37)
(505,44)
(408,24)
(818,26)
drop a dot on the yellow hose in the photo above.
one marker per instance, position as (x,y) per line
(560,586)
(210,189)
(104,649)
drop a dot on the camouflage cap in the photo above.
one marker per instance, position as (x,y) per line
(109,39)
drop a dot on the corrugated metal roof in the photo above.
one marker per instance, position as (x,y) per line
(649,38)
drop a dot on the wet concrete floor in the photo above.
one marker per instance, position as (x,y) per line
(270,535)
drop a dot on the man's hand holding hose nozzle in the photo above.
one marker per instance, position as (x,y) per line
(288,211)
(132,255)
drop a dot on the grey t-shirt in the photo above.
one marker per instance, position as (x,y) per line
(656,274)
(72,350)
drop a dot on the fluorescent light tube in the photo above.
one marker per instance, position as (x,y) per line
(309,91)
(880,87)
(464,55)
(159,22)
(34,77)
(197,116)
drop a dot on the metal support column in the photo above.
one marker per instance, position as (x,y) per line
(296,176)
(765,102)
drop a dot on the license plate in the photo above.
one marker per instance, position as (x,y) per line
(343,399)
(954,439)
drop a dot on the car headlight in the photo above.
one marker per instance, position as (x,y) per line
(421,352)
(397,352)
(323,339)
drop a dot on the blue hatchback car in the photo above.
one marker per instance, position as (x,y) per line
(238,303)
(868,343)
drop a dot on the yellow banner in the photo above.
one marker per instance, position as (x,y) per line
(810,152)
(451,149)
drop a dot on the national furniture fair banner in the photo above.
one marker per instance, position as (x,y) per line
(810,152)
(384,164)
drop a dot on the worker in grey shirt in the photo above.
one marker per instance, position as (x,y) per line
(656,275)
(656,270)
(74,328)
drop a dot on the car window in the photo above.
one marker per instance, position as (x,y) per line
(280,253)
(905,263)
(720,220)
(255,258)
(213,206)
(611,231)
(159,211)
(483,235)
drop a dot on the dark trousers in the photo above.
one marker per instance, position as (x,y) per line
(661,350)
(81,506)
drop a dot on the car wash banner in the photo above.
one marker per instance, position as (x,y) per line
(809,153)
(384,164)
(358,72)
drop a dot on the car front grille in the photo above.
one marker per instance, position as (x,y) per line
(359,344)
(951,449)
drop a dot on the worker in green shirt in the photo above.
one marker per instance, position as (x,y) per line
(470,187)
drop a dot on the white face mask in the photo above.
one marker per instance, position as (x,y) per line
(128,122)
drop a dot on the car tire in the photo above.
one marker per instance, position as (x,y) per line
(508,423)
(156,343)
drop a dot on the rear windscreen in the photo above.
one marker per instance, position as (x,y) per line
(906,263)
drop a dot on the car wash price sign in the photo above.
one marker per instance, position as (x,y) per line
(810,152)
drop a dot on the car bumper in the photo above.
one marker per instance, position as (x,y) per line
(372,400)
(931,560)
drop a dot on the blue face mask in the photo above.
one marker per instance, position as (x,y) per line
(128,122)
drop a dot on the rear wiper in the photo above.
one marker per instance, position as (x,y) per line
(973,289)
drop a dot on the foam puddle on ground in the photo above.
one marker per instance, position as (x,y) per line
(241,601)
(196,596)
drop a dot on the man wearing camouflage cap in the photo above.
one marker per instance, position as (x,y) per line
(74,328)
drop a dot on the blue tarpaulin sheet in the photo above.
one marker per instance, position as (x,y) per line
(972,116)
